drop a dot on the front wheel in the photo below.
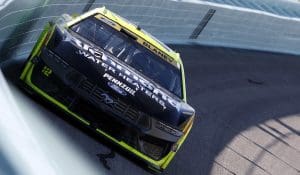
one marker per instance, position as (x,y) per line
(154,170)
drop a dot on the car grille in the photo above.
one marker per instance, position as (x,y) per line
(96,94)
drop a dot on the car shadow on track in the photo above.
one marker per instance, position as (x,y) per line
(234,91)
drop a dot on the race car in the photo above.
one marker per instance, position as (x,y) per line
(117,79)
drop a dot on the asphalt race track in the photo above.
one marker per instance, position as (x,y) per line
(247,106)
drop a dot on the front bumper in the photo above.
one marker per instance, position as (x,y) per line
(67,103)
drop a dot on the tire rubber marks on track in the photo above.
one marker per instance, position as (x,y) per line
(88,6)
(210,13)
(257,82)
(103,158)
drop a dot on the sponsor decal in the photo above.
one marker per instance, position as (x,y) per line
(117,74)
(117,85)
(158,52)
(107,21)
(91,53)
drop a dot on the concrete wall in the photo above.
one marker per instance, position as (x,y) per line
(21,21)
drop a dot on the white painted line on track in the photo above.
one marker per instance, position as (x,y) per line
(5,3)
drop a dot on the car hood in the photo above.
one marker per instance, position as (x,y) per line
(118,79)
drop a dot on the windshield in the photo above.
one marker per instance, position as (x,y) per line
(125,48)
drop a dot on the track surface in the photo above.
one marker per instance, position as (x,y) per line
(247,106)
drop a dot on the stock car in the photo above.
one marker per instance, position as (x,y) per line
(117,79)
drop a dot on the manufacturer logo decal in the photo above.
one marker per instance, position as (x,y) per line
(119,84)
(106,99)
(117,88)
